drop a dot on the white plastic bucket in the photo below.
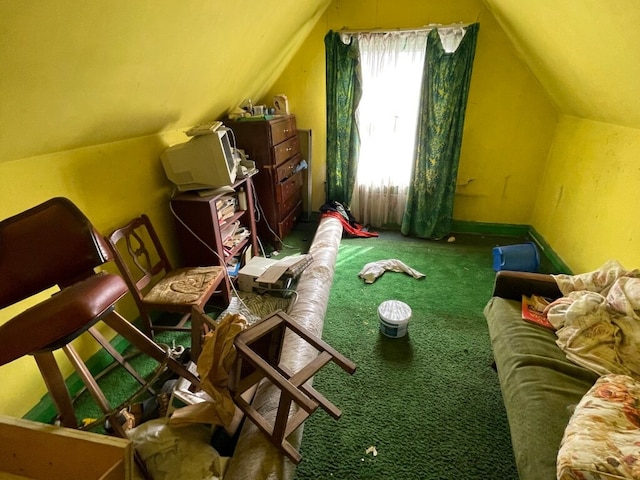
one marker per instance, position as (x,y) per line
(394,318)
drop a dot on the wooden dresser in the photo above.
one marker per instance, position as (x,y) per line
(274,146)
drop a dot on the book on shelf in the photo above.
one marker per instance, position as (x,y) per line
(239,234)
(227,233)
(226,208)
(226,213)
(533,310)
(225,200)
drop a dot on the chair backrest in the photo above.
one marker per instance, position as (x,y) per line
(139,254)
(53,243)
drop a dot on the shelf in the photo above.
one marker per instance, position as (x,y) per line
(200,234)
(236,216)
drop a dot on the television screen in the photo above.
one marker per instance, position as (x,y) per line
(204,162)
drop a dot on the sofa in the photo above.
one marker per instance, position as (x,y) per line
(255,457)
(540,386)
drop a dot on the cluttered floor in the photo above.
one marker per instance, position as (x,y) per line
(149,411)
(144,413)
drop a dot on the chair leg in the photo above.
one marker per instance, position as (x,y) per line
(143,343)
(90,382)
(95,333)
(197,325)
(57,388)
(280,424)
(147,324)
(258,356)
(201,324)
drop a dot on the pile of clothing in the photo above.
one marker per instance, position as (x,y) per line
(350,226)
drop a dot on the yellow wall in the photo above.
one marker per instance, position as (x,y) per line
(510,120)
(78,74)
(589,192)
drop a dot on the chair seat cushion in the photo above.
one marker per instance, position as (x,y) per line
(62,317)
(185,286)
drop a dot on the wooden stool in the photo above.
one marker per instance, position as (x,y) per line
(259,350)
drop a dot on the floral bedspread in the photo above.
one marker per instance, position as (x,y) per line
(598,319)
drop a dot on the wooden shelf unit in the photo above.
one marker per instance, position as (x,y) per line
(200,234)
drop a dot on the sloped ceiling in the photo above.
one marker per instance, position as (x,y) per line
(86,73)
(585,53)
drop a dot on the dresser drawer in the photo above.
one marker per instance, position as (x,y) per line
(286,169)
(285,226)
(285,208)
(286,150)
(287,188)
(280,131)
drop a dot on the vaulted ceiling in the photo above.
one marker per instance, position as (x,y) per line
(585,53)
(76,74)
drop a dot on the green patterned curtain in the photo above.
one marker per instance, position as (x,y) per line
(445,90)
(343,95)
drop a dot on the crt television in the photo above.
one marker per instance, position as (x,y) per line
(205,162)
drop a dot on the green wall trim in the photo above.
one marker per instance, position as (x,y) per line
(511,230)
(545,249)
(45,411)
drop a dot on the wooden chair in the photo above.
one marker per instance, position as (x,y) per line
(156,286)
(54,244)
(258,352)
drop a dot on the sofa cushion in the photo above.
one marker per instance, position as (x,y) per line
(602,438)
(539,387)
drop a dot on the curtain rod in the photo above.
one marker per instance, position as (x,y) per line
(425,28)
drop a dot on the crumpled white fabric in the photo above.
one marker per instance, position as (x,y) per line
(600,280)
(371,271)
(598,321)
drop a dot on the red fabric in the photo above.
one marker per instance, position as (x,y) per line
(351,230)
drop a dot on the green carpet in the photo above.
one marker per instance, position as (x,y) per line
(429,402)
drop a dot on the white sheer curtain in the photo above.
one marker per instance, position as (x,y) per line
(392,65)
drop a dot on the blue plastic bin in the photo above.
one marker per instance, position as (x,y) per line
(522,258)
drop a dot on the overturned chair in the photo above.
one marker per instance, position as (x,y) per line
(257,356)
(54,244)
(259,350)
